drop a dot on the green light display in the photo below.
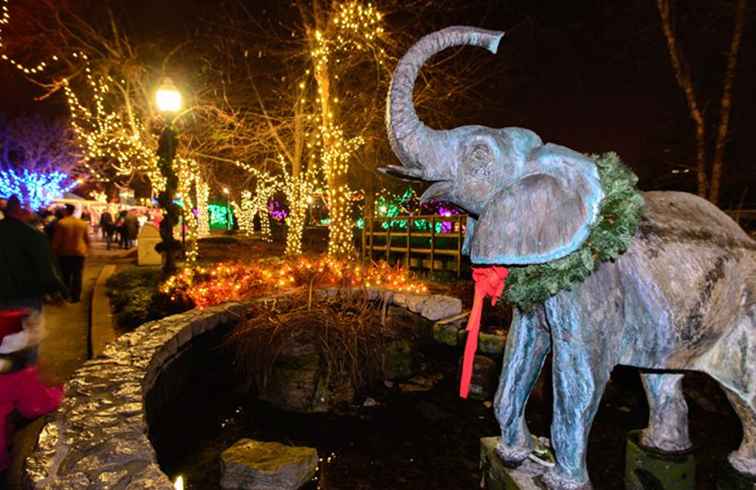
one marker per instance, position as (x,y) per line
(220,218)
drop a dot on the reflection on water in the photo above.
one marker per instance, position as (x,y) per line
(646,469)
(422,440)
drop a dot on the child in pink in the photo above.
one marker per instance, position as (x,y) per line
(20,386)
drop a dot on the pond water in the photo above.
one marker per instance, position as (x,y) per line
(415,440)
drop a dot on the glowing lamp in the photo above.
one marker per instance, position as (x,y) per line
(167,97)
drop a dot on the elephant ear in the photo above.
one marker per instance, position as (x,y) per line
(544,215)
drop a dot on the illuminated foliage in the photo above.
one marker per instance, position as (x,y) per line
(238,281)
(118,138)
(355,27)
(34,189)
(299,190)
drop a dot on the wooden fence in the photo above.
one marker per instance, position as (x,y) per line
(414,244)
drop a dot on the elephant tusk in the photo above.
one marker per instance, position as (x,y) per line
(439,190)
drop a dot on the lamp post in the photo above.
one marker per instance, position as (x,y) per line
(228,209)
(168,101)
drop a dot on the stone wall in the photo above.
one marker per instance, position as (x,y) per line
(99,436)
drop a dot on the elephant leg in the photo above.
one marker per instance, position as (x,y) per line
(744,459)
(580,374)
(527,345)
(668,413)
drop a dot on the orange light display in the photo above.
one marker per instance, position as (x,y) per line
(233,281)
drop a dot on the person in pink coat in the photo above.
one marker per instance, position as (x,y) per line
(20,386)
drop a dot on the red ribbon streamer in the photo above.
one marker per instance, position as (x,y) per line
(489,281)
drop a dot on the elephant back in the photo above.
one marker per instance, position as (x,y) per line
(691,271)
(683,217)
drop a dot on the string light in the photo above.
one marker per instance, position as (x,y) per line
(26,69)
(298,191)
(203,214)
(188,177)
(106,135)
(231,281)
(35,189)
(355,27)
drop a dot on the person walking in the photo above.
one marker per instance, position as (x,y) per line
(107,227)
(121,228)
(131,222)
(27,266)
(71,244)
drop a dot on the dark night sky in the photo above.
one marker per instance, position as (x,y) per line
(590,74)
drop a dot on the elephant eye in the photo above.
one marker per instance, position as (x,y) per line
(481,153)
(479,159)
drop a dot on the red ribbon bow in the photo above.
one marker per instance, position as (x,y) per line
(489,281)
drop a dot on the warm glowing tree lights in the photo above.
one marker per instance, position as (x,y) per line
(41,66)
(353,27)
(238,281)
(299,190)
(117,138)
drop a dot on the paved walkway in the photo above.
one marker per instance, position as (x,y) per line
(66,346)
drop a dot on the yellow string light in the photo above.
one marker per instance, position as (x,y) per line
(40,67)
(356,26)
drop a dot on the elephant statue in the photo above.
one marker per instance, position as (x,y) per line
(681,296)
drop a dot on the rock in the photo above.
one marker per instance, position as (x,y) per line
(497,476)
(256,465)
(438,307)
(421,383)
(491,344)
(432,412)
(483,383)
(414,302)
(299,383)
(398,359)
(448,333)
(370,402)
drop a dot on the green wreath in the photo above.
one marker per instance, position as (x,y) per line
(610,236)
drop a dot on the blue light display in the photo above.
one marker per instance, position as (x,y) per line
(35,189)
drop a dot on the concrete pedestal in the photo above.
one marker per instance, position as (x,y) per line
(497,476)
(731,479)
(646,468)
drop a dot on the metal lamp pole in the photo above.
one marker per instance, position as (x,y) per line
(168,100)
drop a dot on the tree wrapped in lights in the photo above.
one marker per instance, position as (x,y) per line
(299,190)
(190,190)
(353,27)
(256,205)
(203,214)
(36,190)
(117,139)
(39,144)
(246,212)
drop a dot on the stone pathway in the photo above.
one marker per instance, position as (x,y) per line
(66,346)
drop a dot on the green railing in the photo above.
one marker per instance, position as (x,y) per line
(418,241)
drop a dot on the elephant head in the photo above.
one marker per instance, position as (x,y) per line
(532,202)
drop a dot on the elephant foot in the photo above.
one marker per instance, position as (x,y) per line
(512,456)
(743,464)
(555,481)
(671,442)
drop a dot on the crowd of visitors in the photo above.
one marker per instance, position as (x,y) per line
(122,230)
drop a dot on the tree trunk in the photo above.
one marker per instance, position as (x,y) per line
(686,85)
(725,106)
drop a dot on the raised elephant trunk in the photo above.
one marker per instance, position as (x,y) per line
(407,134)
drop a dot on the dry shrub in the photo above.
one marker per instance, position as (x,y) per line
(346,330)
